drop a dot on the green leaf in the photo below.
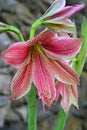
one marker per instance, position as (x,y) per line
(79,64)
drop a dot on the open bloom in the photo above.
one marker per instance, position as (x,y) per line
(56,17)
(41,61)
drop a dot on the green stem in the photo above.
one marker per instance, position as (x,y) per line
(81,57)
(34,27)
(62,117)
(32,92)
(15,30)
(5,28)
(32,108)
(78,66)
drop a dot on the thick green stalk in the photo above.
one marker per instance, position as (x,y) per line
(32,108)
(62,117)
(32,93)
(5,28)
(78,66)
(34,27)
(15,30)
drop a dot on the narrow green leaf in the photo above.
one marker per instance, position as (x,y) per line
(79,64)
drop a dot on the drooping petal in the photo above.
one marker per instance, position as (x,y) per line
(69,95)
(67,12)
(60,69)
(57,6)
(65,93)
(21,82)
(63,72)
(62,47)
(16,54)
(74,95)
(43,80)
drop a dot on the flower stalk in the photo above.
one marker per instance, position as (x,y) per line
(78,65)
(15,30)
(62,117)
(32,108)
(34,26)
(32,111)
(5,28)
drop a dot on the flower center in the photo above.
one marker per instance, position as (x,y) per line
(36,47)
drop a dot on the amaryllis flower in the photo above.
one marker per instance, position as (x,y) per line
(56,17)
(69,95)
(41,61)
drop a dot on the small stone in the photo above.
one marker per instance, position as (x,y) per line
(5,82)
(4,71)
(4,106)
(23,112)
(4,41)
(42,113)
(12,116)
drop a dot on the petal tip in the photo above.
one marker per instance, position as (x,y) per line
(16,97)
(79,6)
(4,56)
(77,80)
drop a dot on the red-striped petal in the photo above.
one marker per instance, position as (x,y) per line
(65,93)
(67,12)
(21,82)
(43,37)
(62,47)
(63,72)
(43,80)
(16,54)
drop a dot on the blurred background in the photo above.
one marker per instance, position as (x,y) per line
(13,114)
